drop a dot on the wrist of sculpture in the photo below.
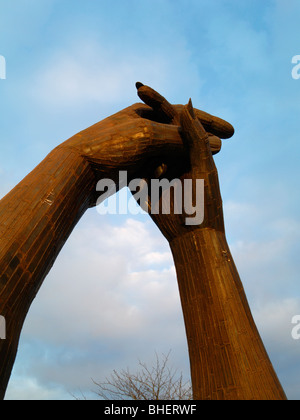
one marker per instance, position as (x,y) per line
(63,177)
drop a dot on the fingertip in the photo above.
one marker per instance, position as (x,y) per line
(138,85)
(156,101)
(215,125)
(190,108)
(191,125)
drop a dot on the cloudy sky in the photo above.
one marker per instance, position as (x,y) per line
(111,297)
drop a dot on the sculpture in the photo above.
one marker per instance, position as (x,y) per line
(228,359)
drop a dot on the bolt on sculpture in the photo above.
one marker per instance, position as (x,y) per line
(228,359)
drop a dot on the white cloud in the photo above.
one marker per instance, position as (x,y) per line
(264,241)
(265,246)
(95,288)
(275,320)
(103,296)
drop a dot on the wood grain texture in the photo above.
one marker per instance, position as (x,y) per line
(36,219)
(227,356)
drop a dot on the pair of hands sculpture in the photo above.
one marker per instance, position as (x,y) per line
(228,359)
(141,138)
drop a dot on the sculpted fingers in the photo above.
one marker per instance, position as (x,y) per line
(214,125)
(215,143)
(196,139)
(158,103)
(161,110)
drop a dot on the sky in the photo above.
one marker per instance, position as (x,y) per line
(112,297)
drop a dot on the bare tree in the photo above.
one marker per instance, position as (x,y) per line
(159,382)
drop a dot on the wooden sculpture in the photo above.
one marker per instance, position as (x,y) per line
(228,359)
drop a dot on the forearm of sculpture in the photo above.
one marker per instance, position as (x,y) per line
(228,358)
(36,218)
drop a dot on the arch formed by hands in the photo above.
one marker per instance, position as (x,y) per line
(227,356)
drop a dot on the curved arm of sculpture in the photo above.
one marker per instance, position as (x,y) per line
(38,215)
(36,218)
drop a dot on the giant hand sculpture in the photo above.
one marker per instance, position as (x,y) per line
(39,214)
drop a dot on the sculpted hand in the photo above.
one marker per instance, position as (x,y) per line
(134,138)
(189,207)
(124,141)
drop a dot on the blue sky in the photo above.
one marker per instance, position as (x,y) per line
(111,297)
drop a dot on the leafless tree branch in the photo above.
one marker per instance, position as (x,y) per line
(158,382)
